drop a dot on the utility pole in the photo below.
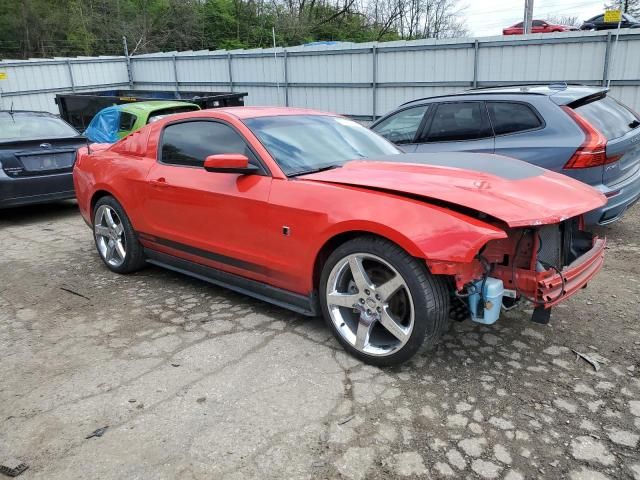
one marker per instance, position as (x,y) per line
(615,45)
(128,60)
(528,16)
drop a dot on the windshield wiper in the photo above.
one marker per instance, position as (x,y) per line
(315,170)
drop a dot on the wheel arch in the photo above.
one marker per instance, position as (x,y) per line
(344,236)
(455,242)
(97,195)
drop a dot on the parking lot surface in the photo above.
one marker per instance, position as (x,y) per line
(195,382)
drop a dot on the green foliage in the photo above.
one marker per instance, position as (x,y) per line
(45,28)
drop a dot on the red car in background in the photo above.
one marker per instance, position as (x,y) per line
(313,212)
(538,26)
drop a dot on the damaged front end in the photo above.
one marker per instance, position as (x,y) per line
(543,265)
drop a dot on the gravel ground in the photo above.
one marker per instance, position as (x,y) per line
(196,382)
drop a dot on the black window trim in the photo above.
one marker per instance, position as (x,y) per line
(416,136)
(263,170)
(427,124)
(543,124)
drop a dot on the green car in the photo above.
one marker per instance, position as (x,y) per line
(113,123)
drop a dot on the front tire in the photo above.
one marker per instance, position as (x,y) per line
(381,303)
(115,239)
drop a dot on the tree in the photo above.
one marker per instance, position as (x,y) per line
(631,7)
(571,20)
(30,28)
(412,19)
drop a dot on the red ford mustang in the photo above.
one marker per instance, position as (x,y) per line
(315,213)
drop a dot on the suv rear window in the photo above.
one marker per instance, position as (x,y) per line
(609,116)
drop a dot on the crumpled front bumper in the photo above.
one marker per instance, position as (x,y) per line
(553,287)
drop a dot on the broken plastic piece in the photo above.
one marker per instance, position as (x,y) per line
(97,433)
(594,363)
(13,468)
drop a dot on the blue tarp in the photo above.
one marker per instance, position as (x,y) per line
(104,126)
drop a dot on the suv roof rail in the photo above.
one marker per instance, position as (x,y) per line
(470,91)
(558,85)
(554,85)
(488,90)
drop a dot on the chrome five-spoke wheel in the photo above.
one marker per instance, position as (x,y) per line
(370,304)
(110,238)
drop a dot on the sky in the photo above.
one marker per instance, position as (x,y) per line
(488,17)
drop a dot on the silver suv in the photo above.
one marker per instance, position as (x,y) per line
(580,131)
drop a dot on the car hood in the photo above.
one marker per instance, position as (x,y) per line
(513,191)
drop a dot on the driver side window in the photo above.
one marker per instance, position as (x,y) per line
(403,126)
(189,143)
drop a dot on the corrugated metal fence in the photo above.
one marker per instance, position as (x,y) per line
(32,84)
(363,80)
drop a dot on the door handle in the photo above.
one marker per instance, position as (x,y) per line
(159,182)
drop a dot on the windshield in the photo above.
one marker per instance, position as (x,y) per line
(308,143)
(29,126)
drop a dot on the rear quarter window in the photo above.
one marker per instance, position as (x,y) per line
(127,121)
(511,117)
(609,116)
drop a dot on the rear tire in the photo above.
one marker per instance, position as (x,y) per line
(116,241)
(381,303)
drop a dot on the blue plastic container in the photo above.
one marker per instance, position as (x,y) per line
(492,294)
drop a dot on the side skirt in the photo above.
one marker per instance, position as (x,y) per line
(277,296)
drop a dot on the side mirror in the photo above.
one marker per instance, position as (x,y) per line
(229,163)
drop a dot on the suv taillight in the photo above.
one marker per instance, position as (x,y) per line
(593,151)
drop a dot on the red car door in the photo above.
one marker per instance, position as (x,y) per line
(211,218)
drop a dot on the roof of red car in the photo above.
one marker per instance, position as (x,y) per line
(253,112)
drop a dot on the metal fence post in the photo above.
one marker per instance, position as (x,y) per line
(476,47)
(607,56)
(175,72)
(374,81)
(286,80)
(128,60)
(230,74)
(70,68)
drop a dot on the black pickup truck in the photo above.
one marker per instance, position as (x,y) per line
(79,108)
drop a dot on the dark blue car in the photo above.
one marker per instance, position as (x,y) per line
(37,152)
(580,131)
